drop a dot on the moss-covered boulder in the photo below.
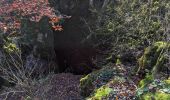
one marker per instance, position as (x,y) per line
(156,96)
(91,84)
(154,58)
(95,80)
(101,93)
(153,89)
(119,87)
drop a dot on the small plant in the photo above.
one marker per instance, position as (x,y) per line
(12,69)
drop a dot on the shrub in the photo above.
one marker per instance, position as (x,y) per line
(129,24)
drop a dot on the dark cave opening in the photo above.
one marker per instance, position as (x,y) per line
(73,55)
(77,60)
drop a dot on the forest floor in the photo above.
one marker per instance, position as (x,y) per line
(63,86)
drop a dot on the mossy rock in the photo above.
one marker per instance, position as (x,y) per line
(150,89)
(86,85)
(144,82)
(114,89)
(97,79)
(101,93)
(156,96)
(154,58)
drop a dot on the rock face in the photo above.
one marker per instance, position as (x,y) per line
(72,53)
(37,46)
(39,35)
(71,7)
(66,48)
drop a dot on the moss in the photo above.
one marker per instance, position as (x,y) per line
(28,98)
(100,93)
(154,58)
(162,96)
(156,96)
(143,60)
(167,81)
(97,79)
(10,47)
(118,62)
(86,85)
(147,96)
(150,89)
(145,81)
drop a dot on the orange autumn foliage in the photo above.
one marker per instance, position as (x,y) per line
(55,20)
(57,28)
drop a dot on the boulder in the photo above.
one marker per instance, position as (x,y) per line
(109,82)
(98,78)
(149,89)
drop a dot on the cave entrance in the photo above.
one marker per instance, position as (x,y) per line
(72,54)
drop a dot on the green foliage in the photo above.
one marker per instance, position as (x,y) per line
(28,98)
(145,81)
(154,58)
(118,61)
(10,47)
(132,23)
(156,96)
(97,79)
(153,89)
(86,85)
(100,93)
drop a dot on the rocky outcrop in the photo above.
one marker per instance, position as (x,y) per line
(40,36)
(111,82)
(99,78)
(71,7)
(37,46)
(63,47)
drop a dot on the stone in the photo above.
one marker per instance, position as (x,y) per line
(39,35)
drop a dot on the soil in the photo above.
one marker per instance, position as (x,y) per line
(63,86)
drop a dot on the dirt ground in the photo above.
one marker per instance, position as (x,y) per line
(63,86)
